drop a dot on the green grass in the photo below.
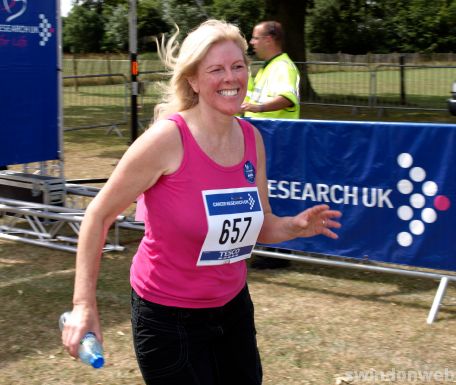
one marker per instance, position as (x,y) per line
(314,323)
(424,88)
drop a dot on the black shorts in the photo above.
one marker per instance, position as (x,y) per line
(211,346)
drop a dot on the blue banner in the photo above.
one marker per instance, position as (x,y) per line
(394,183)
(29,96)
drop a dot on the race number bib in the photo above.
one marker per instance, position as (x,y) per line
(234,218)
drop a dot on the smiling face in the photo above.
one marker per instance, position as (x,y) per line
(221,78)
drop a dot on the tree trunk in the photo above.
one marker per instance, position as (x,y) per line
(292,15)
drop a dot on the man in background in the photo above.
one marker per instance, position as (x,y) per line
(273,93)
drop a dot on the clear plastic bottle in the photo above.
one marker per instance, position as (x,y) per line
(90,350)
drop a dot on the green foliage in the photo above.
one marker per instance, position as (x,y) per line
(447,28)
(350,26)
(102,25)
(423,26)
(115,37)
(99,4)
(244,13)
(360,26)
(151,22)
(187,14)
(83,30)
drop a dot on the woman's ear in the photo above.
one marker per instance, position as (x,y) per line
(193,83)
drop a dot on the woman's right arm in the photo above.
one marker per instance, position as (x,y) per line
(157,152)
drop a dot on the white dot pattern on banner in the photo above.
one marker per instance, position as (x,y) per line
(404,239)
(405,213)
(430,188)
(417,174)
(429,215)
(405,160)
(416,227)
(405,186)
(45,28)
(417,201)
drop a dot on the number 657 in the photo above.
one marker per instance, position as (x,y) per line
(231,229)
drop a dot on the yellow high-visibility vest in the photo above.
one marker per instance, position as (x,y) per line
(279,76)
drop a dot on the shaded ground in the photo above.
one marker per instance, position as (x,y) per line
(314,324)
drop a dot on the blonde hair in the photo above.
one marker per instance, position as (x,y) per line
(178,94)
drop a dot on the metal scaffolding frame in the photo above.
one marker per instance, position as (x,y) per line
(50,226)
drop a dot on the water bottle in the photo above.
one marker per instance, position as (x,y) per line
(90,350)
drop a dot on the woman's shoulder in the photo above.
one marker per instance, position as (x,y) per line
(162,137)
(162,130)
(161,144)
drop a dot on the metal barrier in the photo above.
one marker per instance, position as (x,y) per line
(106,65)
(103,100)
(417,87)
(91,101)
(150,90)
(326,260)
(333,83)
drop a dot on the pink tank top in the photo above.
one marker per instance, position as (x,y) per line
(166,268)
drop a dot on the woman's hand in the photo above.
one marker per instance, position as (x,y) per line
(314,221)
(83,319)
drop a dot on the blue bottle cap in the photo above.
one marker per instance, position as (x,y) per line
(97,361)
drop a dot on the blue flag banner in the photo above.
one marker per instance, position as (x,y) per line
(29,97)
(395,184)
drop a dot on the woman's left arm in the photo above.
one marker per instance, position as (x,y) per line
(316,220)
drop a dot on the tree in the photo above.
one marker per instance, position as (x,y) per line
(356,26)
(244,13)
(292,15)
(361,26)
(99,4)
(115,37)
(102,25)
(187,14)
(423,26)
(447,28)
(83,30)
(151,22)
